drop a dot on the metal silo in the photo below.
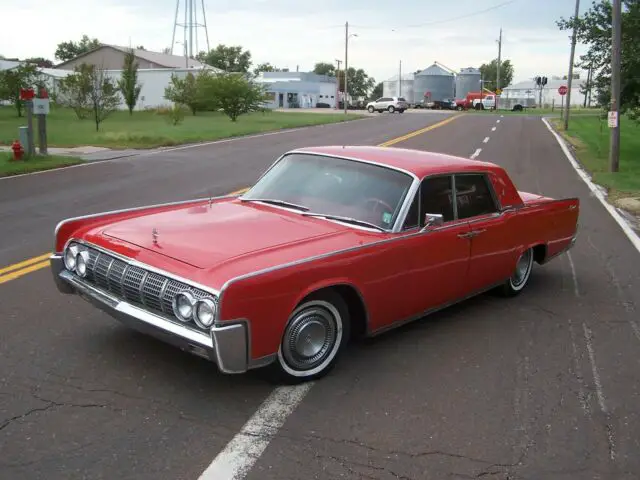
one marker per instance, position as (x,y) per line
(437,81)
(390,87)
(468,80)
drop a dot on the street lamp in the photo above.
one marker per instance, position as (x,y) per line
(346,62)
(338,83)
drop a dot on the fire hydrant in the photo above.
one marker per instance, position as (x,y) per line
(18,151)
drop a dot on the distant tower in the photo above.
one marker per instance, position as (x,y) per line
(190,27)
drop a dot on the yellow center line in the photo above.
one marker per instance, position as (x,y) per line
(17,270)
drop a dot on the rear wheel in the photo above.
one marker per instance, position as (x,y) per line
(315,335)
(521,274)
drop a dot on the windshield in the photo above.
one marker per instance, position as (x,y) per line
(335,186)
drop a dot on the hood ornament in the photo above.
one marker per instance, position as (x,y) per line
(154,235)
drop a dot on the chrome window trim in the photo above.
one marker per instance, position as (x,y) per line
(135,263)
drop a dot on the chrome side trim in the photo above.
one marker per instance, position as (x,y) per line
(135,209)
(144,266)
(430,311)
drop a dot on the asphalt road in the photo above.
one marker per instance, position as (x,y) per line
(542,386)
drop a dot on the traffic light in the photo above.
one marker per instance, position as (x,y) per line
(544,80)
(538,81)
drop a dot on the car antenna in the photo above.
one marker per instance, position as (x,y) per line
(210,199)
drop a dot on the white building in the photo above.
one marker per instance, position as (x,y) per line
(298,89)
(550,95)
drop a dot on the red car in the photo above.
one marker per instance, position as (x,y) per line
(331,243)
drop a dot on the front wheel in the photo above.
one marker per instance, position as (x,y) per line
(315,335)
(520,276)
(371,109)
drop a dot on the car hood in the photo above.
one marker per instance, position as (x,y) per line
(205,236)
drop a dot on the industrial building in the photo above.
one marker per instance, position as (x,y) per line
(298,89)
(434,83)
(550,95)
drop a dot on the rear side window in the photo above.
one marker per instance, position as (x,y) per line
(474,196)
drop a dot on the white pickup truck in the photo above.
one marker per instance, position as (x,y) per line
(514,104)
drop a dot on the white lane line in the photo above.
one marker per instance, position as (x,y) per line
(486,140)
(596,376)
(493,129)
(628,231)
(475,154)
(242,452)
(576,290)
(497,121)
(582,396)
(501,116)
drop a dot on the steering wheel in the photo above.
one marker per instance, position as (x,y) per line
(377,201)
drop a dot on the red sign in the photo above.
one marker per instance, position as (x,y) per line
(562,90)
(26,93)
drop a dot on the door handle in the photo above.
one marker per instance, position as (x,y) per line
(478,232)
(466,235)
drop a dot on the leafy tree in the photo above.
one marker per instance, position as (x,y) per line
(234,94)
(325,68)
(40,62)
(489,72)
(227,58)
(128,83)
(594,30)
(68,50)
(377,91)
(184,91)
(90,89)
(12,80)
(359,83)
(267,67)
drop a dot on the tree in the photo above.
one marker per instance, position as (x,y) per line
(594,30)
(184,91)
(89,89)
(359,83)
(68,50)
(377,91)
(234,94)
(267,67)
(325,68)
(128,83)
(40,62)
(12,80)
(489,73)
(227,58)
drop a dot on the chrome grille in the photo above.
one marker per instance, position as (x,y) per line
(136,285)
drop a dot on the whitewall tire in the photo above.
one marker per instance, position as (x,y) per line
(521,274)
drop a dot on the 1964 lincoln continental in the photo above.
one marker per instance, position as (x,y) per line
(330,243)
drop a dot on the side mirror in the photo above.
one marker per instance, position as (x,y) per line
(432,220)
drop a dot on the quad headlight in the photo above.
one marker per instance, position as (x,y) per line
(202,311)
(76,258)
(70,256)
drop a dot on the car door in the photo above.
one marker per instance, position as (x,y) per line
(436,258)
(491,239)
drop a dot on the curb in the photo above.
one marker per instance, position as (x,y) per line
(597,191)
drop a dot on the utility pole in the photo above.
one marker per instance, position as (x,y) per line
(338,83)
(571,57)
(346,62)
(498,69)
(614,112)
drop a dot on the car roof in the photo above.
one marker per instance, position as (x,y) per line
(418,162)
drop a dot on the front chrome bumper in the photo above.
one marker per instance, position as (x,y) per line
(227,344)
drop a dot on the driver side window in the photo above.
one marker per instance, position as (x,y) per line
(434,196)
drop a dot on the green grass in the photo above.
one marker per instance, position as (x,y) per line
(148,129)
(10,167)
(590,137)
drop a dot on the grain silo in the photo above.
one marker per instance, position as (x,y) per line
(390,87)
(434,81)
(467,80)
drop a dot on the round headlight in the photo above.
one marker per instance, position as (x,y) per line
(183,304)
(82,259)
(205,312)
(70,256)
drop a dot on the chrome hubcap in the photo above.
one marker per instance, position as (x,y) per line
(309,338)
(522,269)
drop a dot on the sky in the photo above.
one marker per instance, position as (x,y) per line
(299,33)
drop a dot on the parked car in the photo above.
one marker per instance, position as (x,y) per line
(331,243)
(390,104)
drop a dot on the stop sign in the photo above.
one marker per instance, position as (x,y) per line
(562,90)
